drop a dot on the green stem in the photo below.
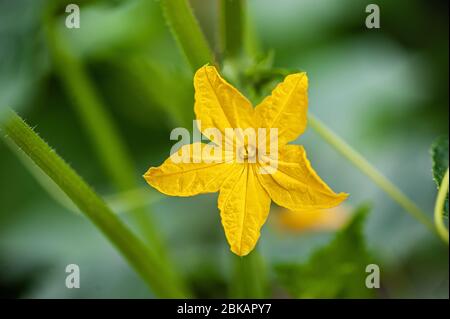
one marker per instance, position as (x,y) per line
(439,208)
(362,164)
(107,142)
(368,169)
(98,123)
(41,178)
(249,276)
(120,202)
(187,32)
(130,200)
(249,280)
(232,26)
(146,262)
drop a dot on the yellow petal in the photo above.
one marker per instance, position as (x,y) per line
(244,206)
(196,175)
(295,185)
(285,109)
(218,104)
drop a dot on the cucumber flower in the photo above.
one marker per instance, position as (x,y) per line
(246,177)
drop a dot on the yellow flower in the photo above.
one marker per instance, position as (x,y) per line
(311,221)
(246,186)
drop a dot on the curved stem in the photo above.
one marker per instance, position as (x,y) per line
(369,170)
(162,280)
(439,208)
(122,202)
(103,133)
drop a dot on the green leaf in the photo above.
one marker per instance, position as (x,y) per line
(42,178)
(439,155)
(337,270)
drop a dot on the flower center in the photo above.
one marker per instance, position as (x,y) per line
(248,153)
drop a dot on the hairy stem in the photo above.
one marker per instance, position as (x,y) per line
(105,138)
(146,262)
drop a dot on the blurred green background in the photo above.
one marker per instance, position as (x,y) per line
(384,90)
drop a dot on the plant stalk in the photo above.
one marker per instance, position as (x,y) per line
(369,170)
(147,263)
(105,138)
(187,32)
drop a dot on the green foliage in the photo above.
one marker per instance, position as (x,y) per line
(262,77)
(334,271)
(124,49)
(439,155)
(104,134)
